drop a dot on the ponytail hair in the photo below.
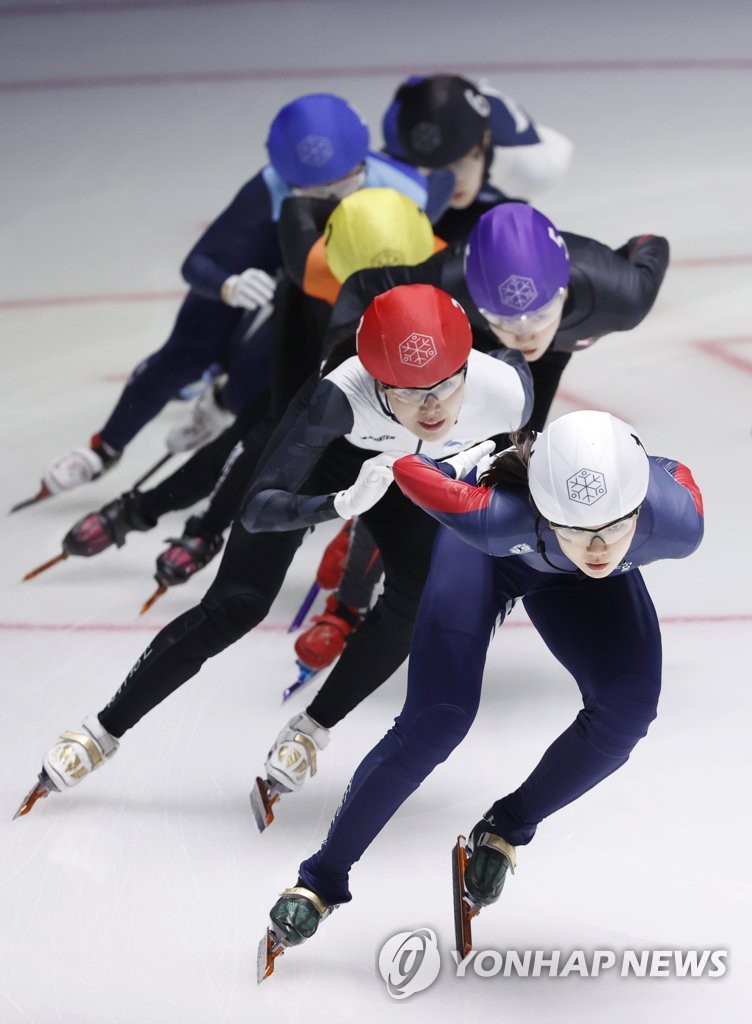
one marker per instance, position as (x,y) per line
(510,466)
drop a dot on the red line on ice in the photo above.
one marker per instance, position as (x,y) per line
(162,296)
(720,348)
(722,619)
(89,300)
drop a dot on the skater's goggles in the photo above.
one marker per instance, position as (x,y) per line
(338,189)
(539,320)
(609,534)
(441,391)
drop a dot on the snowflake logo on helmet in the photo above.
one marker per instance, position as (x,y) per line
(315,150)
(586,486)
(518,292)
(417,349)
(425,137)
(388,258)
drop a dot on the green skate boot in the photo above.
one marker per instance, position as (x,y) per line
(479,869)
(295,917)
(489,859)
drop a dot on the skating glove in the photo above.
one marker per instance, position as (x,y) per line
(463,462)
(249,290)
(371,485)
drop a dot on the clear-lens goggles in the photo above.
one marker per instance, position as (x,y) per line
(609,534)
(335,189)
(417,396)
(537,321)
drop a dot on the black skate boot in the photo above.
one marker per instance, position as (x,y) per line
(489,859)
(295,917)
(98,531)
(187,554)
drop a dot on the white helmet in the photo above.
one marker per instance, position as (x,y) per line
(587,469)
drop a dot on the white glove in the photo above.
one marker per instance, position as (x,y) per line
(249,290)
(371,485)
(463,462)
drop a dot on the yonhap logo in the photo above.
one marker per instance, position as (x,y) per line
(409,962)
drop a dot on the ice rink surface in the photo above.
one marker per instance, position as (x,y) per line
(140,898)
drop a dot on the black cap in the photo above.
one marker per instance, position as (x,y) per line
(440,119)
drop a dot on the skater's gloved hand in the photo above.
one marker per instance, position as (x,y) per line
(249,290)
(373,480)
(630,248)
(463,462)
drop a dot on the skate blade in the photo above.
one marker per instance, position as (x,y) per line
(263,798)
(464,909)
(161,589)
(41,494)
(305,607)
(305,674)
(268,951)
(43,786)
(45,566)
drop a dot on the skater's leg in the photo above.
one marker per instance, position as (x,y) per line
(363,568)
(250,576)
(249,358)
(141,510)
(404,535)
(352,574)
(232,483)
(201,328)
(202,537)
(195,479)
(606,634)
(452,631)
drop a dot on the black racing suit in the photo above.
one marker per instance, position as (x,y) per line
(309,460)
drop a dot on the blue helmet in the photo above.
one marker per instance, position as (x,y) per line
(515,261)
(316,139)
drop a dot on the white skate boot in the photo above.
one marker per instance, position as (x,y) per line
(207,421)
(79,467)
(72,758)
(77,754)
(293,756)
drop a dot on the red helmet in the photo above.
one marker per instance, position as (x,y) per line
(413,336)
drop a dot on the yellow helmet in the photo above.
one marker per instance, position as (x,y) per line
(376,227)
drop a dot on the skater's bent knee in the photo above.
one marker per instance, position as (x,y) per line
(434,733)
(616,731)
(237,615)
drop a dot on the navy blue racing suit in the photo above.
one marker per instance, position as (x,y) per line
(207,330)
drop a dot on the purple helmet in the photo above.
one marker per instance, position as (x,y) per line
(515,261)
(316,139)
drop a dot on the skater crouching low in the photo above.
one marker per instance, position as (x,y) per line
(562,521)
(416,383)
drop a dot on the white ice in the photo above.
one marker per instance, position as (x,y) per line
(140,898)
